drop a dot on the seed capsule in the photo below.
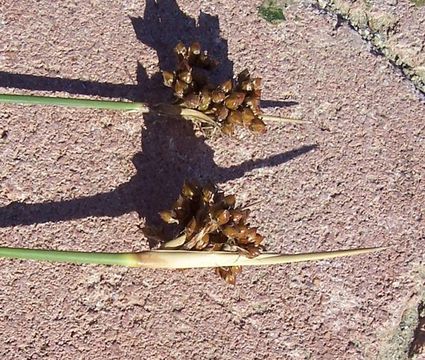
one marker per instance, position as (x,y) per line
(230,278)
(239,215)
(234,100)
(195,48)
(256,83)
(258,239)
(251,234)
(258,126)
(168,78)
(242,231)
(257,93)
(229,201)
(243,75)
(205,100)
(247,117)
(221,112)
(235,117)
(179,203)
(191,228)
(180,49)
(202,243)
(191,101)
(216,247)
(247,85)
(228,128)
(253,251)
(180,88)
(217,96)
(169,216)
(189,190)
(227,86)
(208,193)
(222,216)
(252,101)
(205,62)
(230,231)
(186,76)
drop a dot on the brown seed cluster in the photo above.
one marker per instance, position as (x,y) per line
(211,221)
(236,102)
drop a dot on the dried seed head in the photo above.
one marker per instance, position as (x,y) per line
(192,90)
(210,221)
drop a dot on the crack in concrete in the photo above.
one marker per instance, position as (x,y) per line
(375,30)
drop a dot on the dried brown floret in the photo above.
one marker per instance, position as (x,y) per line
(218,96)
(221,112)
(235,117)
(169,78)
(227,86)
(258,126)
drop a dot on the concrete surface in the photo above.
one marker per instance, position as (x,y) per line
(80,179)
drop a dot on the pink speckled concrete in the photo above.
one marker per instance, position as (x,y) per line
(353,178)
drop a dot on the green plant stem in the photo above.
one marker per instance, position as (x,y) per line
(173,259)
(74,257)
(73,102)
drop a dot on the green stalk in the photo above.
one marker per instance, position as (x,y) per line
(74,257)
(173,259)
(73,102)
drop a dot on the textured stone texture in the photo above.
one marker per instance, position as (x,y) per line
(90,174)
(394,28)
